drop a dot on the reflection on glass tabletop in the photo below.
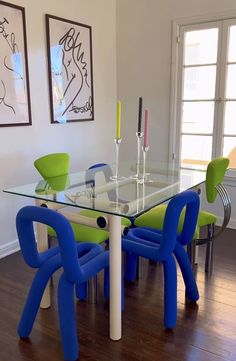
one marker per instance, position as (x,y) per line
(130,195)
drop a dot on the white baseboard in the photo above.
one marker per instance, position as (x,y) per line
(9,248)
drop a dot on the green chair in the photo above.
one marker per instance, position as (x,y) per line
(53,165)
(58,165)
(90,178)
(54,168)
(214,177)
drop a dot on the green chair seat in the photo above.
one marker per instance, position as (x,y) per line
(99,234)
(89,234)
(205,218)
(155,219)
(85,233)
(96,214)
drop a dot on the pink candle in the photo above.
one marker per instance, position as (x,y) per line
(146,119)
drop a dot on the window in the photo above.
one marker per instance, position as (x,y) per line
(205,97)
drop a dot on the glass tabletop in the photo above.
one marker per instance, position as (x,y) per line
(129,195)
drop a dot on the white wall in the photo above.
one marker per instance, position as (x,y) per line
(87,142)
(144,62)
(144,66)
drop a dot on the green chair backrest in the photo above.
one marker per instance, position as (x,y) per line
(215,175)
(53,165)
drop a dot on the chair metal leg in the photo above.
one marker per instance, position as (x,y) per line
(140,268)
(196,255)
(191,250)
(123,256)
(51,239)
(92,290)
(209,248)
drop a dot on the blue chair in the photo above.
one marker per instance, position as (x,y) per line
(161,246)
(90,179)
(79,261)
(54,168)
(216,170)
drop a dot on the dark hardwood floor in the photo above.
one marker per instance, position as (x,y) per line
(204,332)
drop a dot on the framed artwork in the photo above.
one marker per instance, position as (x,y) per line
(69,46)
(14,76)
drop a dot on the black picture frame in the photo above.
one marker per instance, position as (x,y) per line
(70,70)
(15,107)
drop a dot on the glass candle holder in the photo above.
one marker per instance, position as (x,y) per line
(145,174)
(117,143)
(138,174)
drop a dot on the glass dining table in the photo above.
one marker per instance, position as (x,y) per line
(116,195)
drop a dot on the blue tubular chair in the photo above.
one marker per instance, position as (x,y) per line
(90,176)
(90,180)
(160,246)
(80,262)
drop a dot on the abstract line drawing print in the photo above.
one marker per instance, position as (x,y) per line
(14,84)
(70,70)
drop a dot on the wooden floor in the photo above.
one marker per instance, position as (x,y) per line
(204,332)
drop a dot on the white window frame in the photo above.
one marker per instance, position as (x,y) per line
(174,135)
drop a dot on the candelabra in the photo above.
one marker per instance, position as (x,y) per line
(145,175)
(117,143)
(138,174)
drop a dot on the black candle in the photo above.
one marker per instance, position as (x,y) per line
(140,108)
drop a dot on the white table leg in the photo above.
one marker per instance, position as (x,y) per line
(42,245)
(115,276)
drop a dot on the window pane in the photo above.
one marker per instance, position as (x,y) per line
(198,117)
(199,82)
(232,44)
(229,150)
(196,149)
(230,118)
(231,82)
(201,46)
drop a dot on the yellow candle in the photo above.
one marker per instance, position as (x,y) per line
(118,119)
